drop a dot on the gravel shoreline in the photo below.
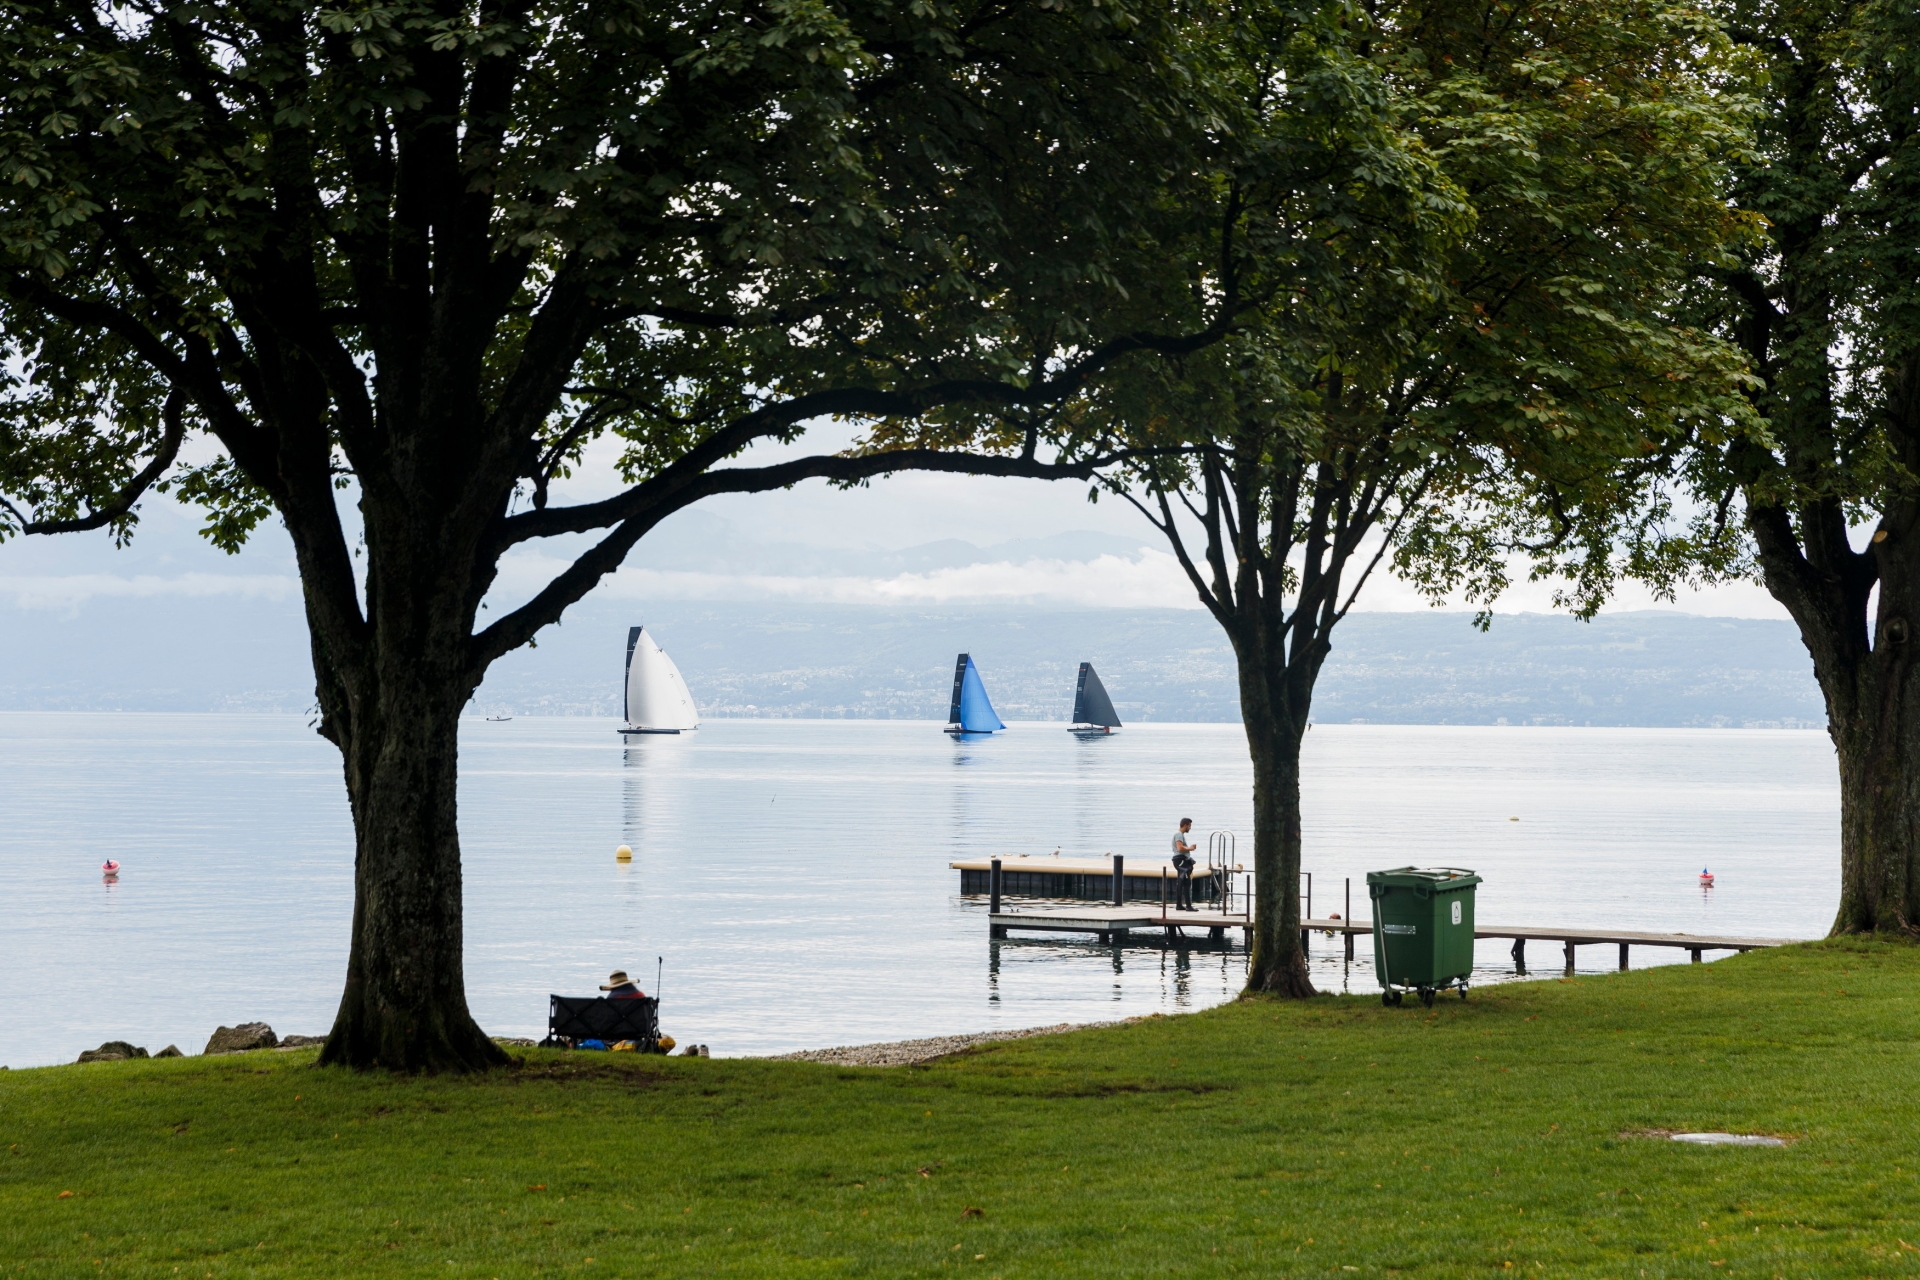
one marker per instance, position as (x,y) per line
(905,1053)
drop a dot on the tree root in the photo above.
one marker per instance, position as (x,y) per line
(1287,979)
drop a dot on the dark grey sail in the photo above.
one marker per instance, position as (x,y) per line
(959,678)
(626,676)
(1091,705)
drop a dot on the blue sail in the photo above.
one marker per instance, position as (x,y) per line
(971,711)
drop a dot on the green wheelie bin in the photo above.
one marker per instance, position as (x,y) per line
(1422,930)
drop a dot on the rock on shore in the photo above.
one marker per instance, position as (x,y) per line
(248,1035)
(905,1053)
(112,1051)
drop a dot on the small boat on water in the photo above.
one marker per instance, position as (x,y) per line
(657,698)
(1093,713)
(972,711)
(498,719)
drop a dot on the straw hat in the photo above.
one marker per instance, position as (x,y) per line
(618,978)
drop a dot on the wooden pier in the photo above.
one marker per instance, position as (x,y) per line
(1113,924)
(1046,876)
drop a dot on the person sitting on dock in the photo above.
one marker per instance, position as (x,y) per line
(620,987)
(1183,851)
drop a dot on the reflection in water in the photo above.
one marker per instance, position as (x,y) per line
(960,834)
(1184,972)
(971,749)
(1179,983)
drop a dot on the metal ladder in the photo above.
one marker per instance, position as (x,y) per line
(1220,863)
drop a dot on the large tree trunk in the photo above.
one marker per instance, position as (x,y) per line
(405,1003)
(391,688)
(1879,752)
(1873,716)
(1871,688)
(1278,963)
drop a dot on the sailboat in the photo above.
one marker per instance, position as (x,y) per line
(657,697)
(972,710)
(1093,713)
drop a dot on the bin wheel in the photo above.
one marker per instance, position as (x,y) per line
(1426,996)
(1390,998)
(1463,991)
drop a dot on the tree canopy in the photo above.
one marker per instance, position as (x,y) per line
(396,266)
(1491,363)
(1824,505)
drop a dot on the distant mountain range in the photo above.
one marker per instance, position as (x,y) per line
(249,653)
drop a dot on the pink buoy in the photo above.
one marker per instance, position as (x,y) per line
(1706,878)
(110,867)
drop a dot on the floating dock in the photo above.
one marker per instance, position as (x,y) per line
(1112,924)
(1045,876)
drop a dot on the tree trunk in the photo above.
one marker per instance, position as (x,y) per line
(391,688)
(1278,963)
(1873,716)
(1880,816)
(1866,671)
(405,1003)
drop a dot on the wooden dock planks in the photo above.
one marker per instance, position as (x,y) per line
(1107,921)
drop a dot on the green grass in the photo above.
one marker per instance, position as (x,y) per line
(1495,1135)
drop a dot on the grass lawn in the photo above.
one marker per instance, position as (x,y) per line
(1499,1135)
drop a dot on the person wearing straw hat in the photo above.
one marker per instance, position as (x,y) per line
(620,987)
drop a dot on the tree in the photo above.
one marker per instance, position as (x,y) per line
(1474,361)
(400,263)
(1826,306)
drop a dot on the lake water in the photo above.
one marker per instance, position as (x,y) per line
(794,873)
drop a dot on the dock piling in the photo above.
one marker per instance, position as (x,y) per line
(993,900)
(1348,916)
(1119,880)
(1623,957)
(1696,955)
(1569,957)
(1520,956)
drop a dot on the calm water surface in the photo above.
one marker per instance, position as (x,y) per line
(794,874)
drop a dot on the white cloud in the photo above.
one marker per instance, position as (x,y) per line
(1386,594)
(1154,579)
(64,591)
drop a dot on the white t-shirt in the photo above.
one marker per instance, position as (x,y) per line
(1180,838)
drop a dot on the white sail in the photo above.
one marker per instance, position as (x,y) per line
(657,697)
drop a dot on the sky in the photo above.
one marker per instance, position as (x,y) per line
(1130,568)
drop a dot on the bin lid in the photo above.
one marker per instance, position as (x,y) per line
(1432,879)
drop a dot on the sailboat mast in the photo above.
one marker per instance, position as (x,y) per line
(959,679)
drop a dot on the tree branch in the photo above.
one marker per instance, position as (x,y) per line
(516,628)
(173,415)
